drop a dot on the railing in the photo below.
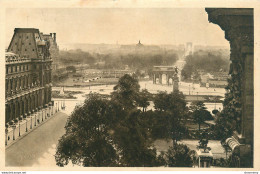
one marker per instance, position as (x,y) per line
(19,60)
(28,124)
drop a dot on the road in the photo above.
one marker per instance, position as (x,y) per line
(38,147)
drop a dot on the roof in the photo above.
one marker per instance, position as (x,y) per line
(26,30)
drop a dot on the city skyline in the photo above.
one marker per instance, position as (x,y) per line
(152,26)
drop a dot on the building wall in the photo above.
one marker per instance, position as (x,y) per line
(28,74)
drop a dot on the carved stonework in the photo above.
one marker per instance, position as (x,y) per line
(238,25)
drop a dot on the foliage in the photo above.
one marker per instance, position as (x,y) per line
(71,69)
(116,133)
(170,115)
(179,156)
(200,113)
(87,141)
(221,162)
(224,127)
(76,57)
(126,91)
(108,132)
(215,111)
(143,98)
(133,142)
(201,61)
(119,60)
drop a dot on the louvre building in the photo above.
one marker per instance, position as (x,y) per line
(28,74)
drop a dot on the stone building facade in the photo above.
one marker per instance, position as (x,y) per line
(28,74)
(238,24)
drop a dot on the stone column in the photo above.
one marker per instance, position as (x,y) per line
(20,107)
(29,104)
(9,86)
(238,25)
(16,109)
(167,79)
(160,78)
(12,111)
(22,82)
(7,112)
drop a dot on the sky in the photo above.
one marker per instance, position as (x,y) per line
(155,26)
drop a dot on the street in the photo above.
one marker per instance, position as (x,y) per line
(38,147)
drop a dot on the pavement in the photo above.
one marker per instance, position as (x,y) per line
(38,147)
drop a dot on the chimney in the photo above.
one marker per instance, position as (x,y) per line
(51,34)
(54,37)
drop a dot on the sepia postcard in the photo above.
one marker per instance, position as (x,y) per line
(129,85)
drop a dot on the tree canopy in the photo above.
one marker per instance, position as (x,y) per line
(114,132)
(200,112)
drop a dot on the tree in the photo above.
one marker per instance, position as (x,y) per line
(173,107)
(71,69)
(215,111)
(161,101)
(87,141)
(223,128)
(179,156)
(126,91)
(143,99)
(133,142)
(199,112)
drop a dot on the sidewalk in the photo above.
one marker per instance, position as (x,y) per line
(27,125)
(38,147)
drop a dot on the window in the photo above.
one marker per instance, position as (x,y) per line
(25,49)
(22,43)
(15,43)
(32,49)
(29,43)
(18,50)
(27,37)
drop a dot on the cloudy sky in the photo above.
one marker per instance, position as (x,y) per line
(122,25)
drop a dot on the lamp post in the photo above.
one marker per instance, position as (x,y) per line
(56,107)
(35,114)
(49,111)
(52,109)
(13,126)
(42,113)
(26,129)
(19,126)
(31,122)
(45,113)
